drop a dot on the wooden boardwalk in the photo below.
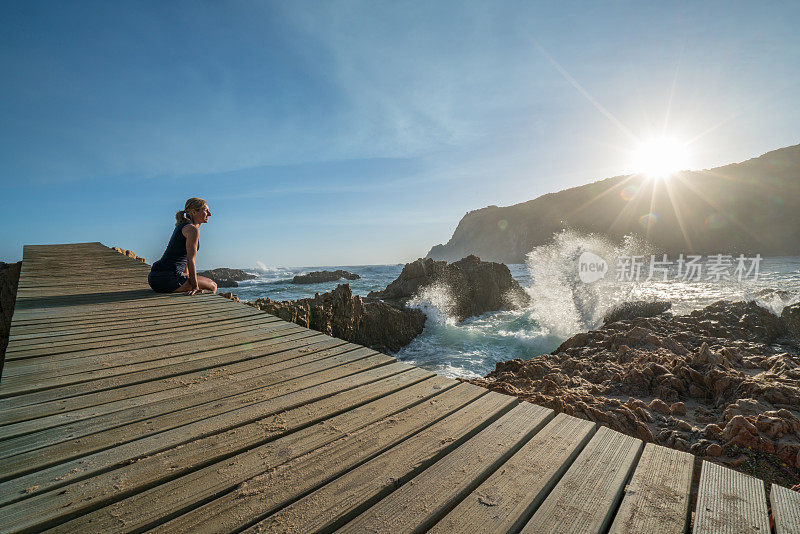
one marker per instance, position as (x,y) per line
(122,410)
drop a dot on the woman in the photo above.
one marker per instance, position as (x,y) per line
(176,270)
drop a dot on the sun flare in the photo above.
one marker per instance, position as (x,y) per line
(660,157)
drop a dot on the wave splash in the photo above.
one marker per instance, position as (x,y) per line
(561,302)
(437,302)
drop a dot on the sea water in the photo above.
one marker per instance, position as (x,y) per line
(561,304)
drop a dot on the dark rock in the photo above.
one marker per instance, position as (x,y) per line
(316,277)
(225,277)
(790,317)
(9,278)
(627,311)
(476,286)
(341,314)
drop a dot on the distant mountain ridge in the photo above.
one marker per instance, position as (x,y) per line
(748,208)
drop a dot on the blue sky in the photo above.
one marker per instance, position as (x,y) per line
(344,133)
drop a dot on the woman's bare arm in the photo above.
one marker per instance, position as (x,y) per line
(192,239)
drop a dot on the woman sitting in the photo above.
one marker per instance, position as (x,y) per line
(176,271)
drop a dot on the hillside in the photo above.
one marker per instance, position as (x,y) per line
(749,207)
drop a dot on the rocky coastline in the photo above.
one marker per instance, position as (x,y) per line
(720,382)
(341,314)
(383,320)
(225,277)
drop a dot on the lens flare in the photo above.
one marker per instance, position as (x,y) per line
(715,221)
(648,219)
(628,193)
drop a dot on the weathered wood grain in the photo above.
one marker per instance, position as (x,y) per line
(584,500)
(785,509)
(729,502)
(657,498)
(508,498)
(424,499)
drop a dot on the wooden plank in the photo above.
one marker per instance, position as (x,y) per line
(584,500)
(424,499)
(131,354)
(72,355)
(143,314)
(150,358)
(729,502)
(151,306)
(174,388)
(347,496)
(75,499)
(183,494)
(276,487)
(61,335)
(124,302)
(75,362)
(25,453)
(238,361)
(129,342)
(136,324)
(508,498)
(174,367)
(657,498)
(234,427)
(785,509)
(293,391)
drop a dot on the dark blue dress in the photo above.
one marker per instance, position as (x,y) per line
(166,275)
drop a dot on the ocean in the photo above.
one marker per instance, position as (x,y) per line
(563,302)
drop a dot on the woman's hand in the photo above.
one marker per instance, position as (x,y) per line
(195,287)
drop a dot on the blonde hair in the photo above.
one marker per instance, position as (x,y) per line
(193,203)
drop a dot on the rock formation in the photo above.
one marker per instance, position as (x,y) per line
(761,194)
(9,278)
(634,309)
(316,277)
(713,382)
(225,277)
(341,314)
(790,317)
(476,286)
(128,253)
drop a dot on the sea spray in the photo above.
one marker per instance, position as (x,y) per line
(562,303)
(437,301)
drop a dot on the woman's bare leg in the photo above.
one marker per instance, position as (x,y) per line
(203,282)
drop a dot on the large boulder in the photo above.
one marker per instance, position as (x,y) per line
(341,314)
(225,277)
(476,286)
(315,277)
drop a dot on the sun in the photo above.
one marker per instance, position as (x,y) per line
(660,157)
